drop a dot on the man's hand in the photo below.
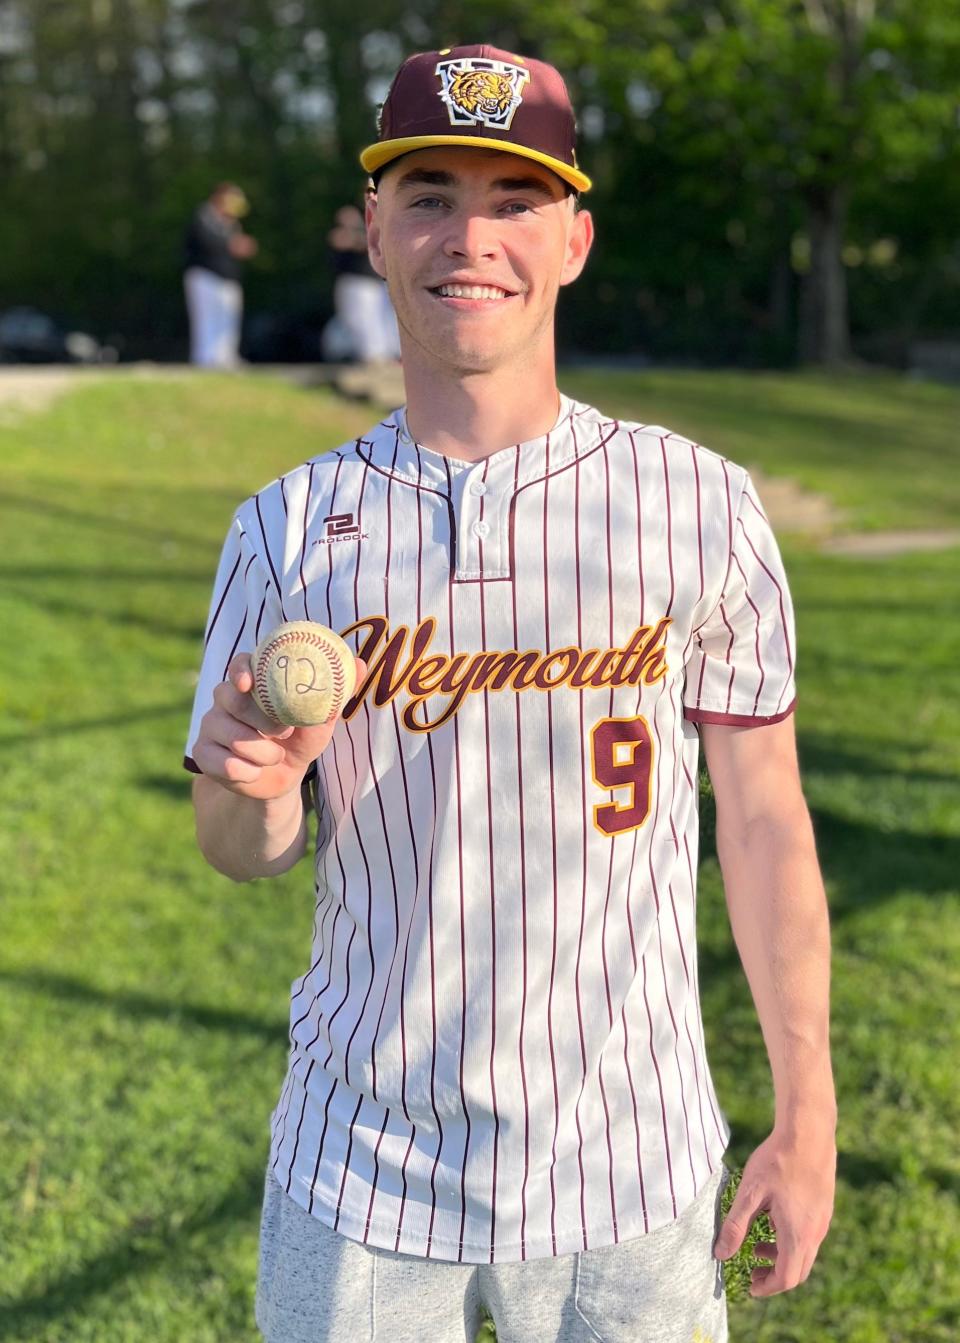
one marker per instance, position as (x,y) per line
(243,750)
(243,245)
(791,1179)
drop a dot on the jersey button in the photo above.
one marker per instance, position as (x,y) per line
(478,488)
(481,529)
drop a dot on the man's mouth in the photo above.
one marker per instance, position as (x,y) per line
(472,291)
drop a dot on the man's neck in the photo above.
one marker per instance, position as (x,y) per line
(472,416)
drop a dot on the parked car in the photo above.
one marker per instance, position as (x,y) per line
(28,336)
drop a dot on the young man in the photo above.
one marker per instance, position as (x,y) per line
(497,1092)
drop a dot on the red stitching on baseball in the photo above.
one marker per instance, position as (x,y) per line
(317,641)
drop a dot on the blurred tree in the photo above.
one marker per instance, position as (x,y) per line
(804,101)
(773,177)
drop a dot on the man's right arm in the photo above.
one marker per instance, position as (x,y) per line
(245,837)
(248,800)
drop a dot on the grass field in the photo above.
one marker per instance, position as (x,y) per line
(143,998)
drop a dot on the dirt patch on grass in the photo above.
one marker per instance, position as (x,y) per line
(881,545)
(791,508)
(32,389)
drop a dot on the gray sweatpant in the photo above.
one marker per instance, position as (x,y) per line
(316,1285)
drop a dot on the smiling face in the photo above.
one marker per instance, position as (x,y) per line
(474,245)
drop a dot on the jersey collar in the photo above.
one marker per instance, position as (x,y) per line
(393,451)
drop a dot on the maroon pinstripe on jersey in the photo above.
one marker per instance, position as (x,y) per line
(497,1052)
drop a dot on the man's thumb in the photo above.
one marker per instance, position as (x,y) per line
(735,1227)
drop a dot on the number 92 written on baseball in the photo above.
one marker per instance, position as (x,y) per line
(303,674)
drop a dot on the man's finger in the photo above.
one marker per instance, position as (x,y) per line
(240,673)
(737,1223)
(241,705)
(216,762)
(240,676)
(760,1282)
(251,745)
(785,1274)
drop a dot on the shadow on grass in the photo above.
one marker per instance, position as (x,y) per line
(947,1180)
(70,727)
(140,1006)
(867,865)
(716,962)
(103,573)
(865,1172)
(151,1242)
(819,755)
(175,786)
(864,864)
(912,610)
(107,522)
(189,631)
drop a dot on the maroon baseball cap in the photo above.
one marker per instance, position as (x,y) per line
(479,96)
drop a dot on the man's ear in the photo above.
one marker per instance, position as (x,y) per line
(372,219)
(579,242)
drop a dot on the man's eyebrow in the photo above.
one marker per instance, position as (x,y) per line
(426,177)
(534,184)
(436,177)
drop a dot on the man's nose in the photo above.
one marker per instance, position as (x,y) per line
(471,237)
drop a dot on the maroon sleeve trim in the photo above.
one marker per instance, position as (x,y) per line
(738,719)
(191,765)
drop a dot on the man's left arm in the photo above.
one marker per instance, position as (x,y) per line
(778,913)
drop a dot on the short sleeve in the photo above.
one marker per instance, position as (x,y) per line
(741,667)
(244,604)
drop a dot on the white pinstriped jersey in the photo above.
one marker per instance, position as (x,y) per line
(497,1052)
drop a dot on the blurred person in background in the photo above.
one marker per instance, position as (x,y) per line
(365,326)
(215,247)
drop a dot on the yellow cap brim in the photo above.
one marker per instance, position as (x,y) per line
(385,151)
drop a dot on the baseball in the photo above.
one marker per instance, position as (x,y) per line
(303,674)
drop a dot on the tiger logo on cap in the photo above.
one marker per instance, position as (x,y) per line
(482,92)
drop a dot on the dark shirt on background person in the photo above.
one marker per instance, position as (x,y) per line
(207,243)
(344,262)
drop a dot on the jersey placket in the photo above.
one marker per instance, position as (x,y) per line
(481,505)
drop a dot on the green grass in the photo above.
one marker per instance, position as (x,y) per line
(143,998)
(884,448)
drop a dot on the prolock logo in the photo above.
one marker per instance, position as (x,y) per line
(340,527)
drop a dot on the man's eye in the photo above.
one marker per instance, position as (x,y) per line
(517,208)
(429,201)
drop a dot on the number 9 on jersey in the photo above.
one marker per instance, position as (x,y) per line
(621,756)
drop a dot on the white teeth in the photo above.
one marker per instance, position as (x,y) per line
(472,291)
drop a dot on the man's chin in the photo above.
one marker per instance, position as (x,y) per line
(464,357)
(468,359)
